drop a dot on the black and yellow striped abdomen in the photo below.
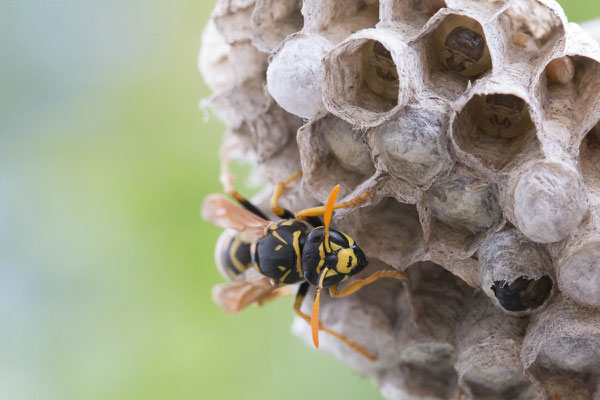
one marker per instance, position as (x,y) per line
(278,254)
(232,255)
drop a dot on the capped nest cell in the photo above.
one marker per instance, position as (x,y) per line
(470,129)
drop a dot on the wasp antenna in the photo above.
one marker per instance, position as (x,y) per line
(314,318)
(328,213)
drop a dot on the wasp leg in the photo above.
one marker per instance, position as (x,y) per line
(226,179)
(278,210)
(359,284)
(319,211)
(459,397)
(279,292)
(298,303)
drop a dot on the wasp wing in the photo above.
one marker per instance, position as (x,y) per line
(251,287)
(221,212)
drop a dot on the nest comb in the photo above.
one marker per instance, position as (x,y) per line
(475,125)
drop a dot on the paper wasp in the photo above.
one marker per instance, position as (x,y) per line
(261,257)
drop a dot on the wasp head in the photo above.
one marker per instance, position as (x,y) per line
(340,255)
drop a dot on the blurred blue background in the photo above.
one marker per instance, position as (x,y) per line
(105,264)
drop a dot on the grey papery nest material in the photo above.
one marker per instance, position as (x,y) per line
(474,126)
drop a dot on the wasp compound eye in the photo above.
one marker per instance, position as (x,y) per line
(463,47)
(522,294)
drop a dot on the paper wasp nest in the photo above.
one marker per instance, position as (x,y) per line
(475,126)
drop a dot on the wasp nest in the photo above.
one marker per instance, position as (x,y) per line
(474,124)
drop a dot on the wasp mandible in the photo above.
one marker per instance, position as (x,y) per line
(262,257)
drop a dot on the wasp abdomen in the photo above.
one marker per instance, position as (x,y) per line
(278,254)
(232,255)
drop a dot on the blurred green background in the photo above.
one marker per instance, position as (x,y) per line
(105,265)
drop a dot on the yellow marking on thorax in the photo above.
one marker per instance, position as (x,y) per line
(350,240)
(232,250)
(279,246)
(287,223)
(296,245)
(285,275)
(335,246)
(322,258)
(329,273)
(279,237)
(282,268)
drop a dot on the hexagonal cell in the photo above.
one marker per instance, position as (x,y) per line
(488,362)
(578,267)
(549,200)
(412,146)
(362,73)
(492,129)
(460,213)
(337,19)
(409,16)
(295,74)
(273,20)
(562,351)
(515,273)
(454,53)
(531,31)
(389,229)
(332,153)
(572,102)
(589,161)
(437,299)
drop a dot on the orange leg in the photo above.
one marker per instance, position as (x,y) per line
(319,211)
(357,285)
(277,210)
(298,303)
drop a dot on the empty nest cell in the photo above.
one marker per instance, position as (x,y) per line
(273,20)
(460,212)
(389,230)
(569,96)
(531,31)
(362,82)
(337,19)
(332,153)
(494,129)
(454,53)
(411,146)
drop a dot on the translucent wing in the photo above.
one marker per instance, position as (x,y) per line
(234,296)
(221,212)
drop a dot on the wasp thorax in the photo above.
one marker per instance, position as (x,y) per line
(461,46)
